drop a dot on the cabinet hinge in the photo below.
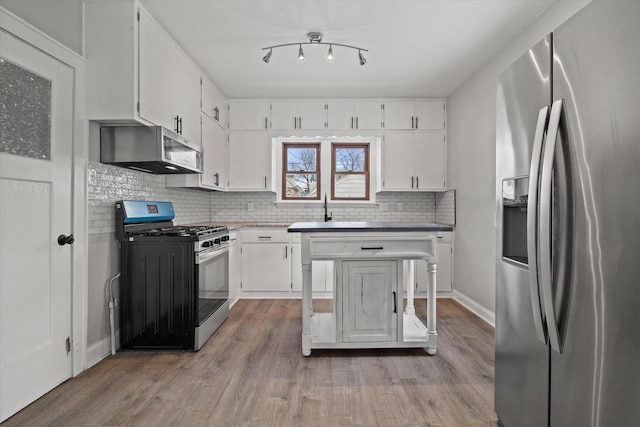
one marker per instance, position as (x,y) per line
(68,345)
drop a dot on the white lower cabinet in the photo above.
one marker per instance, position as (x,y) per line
(370,301)
(444,267)
(266,264)
(321,273)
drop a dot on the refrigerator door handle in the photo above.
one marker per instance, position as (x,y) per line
(544,228)
(532,229)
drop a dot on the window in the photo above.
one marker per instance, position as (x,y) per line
(349,171)
(301,171)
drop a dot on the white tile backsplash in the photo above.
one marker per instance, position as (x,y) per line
(107,184)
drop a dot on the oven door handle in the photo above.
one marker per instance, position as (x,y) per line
(207,256)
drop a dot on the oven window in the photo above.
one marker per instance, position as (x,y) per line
(213,284)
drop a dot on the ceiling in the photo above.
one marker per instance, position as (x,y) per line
(417,48)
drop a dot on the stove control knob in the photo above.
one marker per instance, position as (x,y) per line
(224,238)
(66,240)
(207,244)
(216,241)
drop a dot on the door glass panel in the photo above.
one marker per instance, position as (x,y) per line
(25,112)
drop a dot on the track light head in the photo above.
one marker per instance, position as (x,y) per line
(361,57)
(300,54)
(330,56)
(267,57)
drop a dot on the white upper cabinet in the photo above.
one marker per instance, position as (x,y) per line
(302,115)
(413,161)
(419,115)
(214,104)
(348,114)
(136,72)
(249,161)
(248,115)
(214,155)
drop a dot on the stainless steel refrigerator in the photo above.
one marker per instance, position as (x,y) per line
(567,344)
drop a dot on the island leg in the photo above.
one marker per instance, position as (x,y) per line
(410,309)
(306,309)
(432,335)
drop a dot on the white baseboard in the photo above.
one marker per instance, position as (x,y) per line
(100,350)
(480,311)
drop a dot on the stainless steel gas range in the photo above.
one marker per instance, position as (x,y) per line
(175,278)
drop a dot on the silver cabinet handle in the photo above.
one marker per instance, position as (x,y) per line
(286,250)
(411,182)
(544,226)
(371,248)
(412,127)
(299,122)
(417,182)
(265,123)
(532,230)
(357,123)
(265,181)
(395,303)
(295,123)
(416,122)
(264,237)
(351,122)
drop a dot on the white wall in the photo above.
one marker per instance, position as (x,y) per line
(471,158)
(60,19)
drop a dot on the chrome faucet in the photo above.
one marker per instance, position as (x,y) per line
(326,216)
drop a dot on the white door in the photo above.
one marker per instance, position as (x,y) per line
(429,115)
(266,267)
(399,115)
(248,115)
(340,115)
(35,208)
(284,115)
(368,115)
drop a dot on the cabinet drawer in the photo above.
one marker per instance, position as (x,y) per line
(265,235)
(370,248)
(444,236)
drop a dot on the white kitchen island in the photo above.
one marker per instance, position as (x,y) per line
(370,260)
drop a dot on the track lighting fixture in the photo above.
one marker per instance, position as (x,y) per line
(267,57)
(330,57)
(315,38)
(361,57)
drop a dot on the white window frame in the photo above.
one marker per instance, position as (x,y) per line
(325,168)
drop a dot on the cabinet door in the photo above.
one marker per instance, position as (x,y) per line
(311,115)
(249,161)
(187,102)
(296,267)
(398,161)
(429,115)
(370,301)
(340,115)
(248,115)
(214,145)
(213,103)
(284,115)
(368,114)
(430,161)
(266,267)
(399,115)
(444,270)
(156,91)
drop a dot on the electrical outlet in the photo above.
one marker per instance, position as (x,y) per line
(250,206)
(399,207)
(384,207)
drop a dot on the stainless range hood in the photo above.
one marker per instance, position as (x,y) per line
(152,149)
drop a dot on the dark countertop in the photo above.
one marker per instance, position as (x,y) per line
(335,226)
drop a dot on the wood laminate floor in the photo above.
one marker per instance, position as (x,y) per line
(252,373)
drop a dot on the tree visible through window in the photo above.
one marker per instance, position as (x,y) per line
(301,171)
(350,171)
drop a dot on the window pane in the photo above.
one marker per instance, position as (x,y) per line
(350,186)
(301,185)
(350,159)
(25,112)
(301,159)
